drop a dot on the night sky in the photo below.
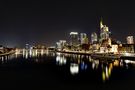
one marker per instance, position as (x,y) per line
(45,22)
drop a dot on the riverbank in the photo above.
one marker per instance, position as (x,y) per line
(101,55)
(76,52)
(93,54)
(8,53)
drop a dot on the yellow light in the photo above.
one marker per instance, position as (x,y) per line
(109,72)
(111,66)
(116,63)
(103,76)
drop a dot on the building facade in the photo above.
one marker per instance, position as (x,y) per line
(61,44)
(130,40)
(104,32)
(83,37)
(94,38)
(74,38)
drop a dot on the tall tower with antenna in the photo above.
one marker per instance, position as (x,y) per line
(104,31)
(101,23)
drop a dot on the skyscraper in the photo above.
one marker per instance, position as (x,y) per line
(62,43)
(130,40)
(94,38)
(27,46)
(83,38)
(74,39)
(104,32)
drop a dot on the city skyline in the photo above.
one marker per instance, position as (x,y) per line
(47,22)
(67,44)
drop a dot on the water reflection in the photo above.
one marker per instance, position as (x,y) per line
(106,71)
(25,53)
(74,68)
(4,59)
(83,66)
(28,53)
(95,64)
(79,63)
(60,59)
(76,64)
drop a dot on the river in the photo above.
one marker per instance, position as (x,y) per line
(50,70)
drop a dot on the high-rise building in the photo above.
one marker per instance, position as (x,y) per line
(27,46)
(94,38)
(58,45)
(130,40)
(61,44)
(74,38)
(83,38)
(104,32)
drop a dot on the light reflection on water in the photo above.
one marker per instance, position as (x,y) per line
(80,62)
(35,53)
(76,63)
(74,68)
(60,59)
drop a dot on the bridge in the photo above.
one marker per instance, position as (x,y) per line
(8,53)
(36,51)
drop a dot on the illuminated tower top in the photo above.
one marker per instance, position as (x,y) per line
(104,31)
(101,24)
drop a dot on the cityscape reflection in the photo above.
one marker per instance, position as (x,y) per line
(79,63)
(60,59)
(106,71)
(74,68)
(76,64)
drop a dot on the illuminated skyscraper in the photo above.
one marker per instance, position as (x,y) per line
(74,39)
(104,32)
(83,38)
(130,40)
(61,44)
(94,38)
(27,46)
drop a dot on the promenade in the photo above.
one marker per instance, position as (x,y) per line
(101,55)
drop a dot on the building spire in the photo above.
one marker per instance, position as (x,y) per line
(101,23)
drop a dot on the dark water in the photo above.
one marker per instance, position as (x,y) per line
(65,71)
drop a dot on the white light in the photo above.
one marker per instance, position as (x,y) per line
(61,60)
(107,72)
(30,52)
(74,69)
(26,55)
(73,33)
(127,54)
(128,61)
(58,53)
(42,52)
(93,65)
